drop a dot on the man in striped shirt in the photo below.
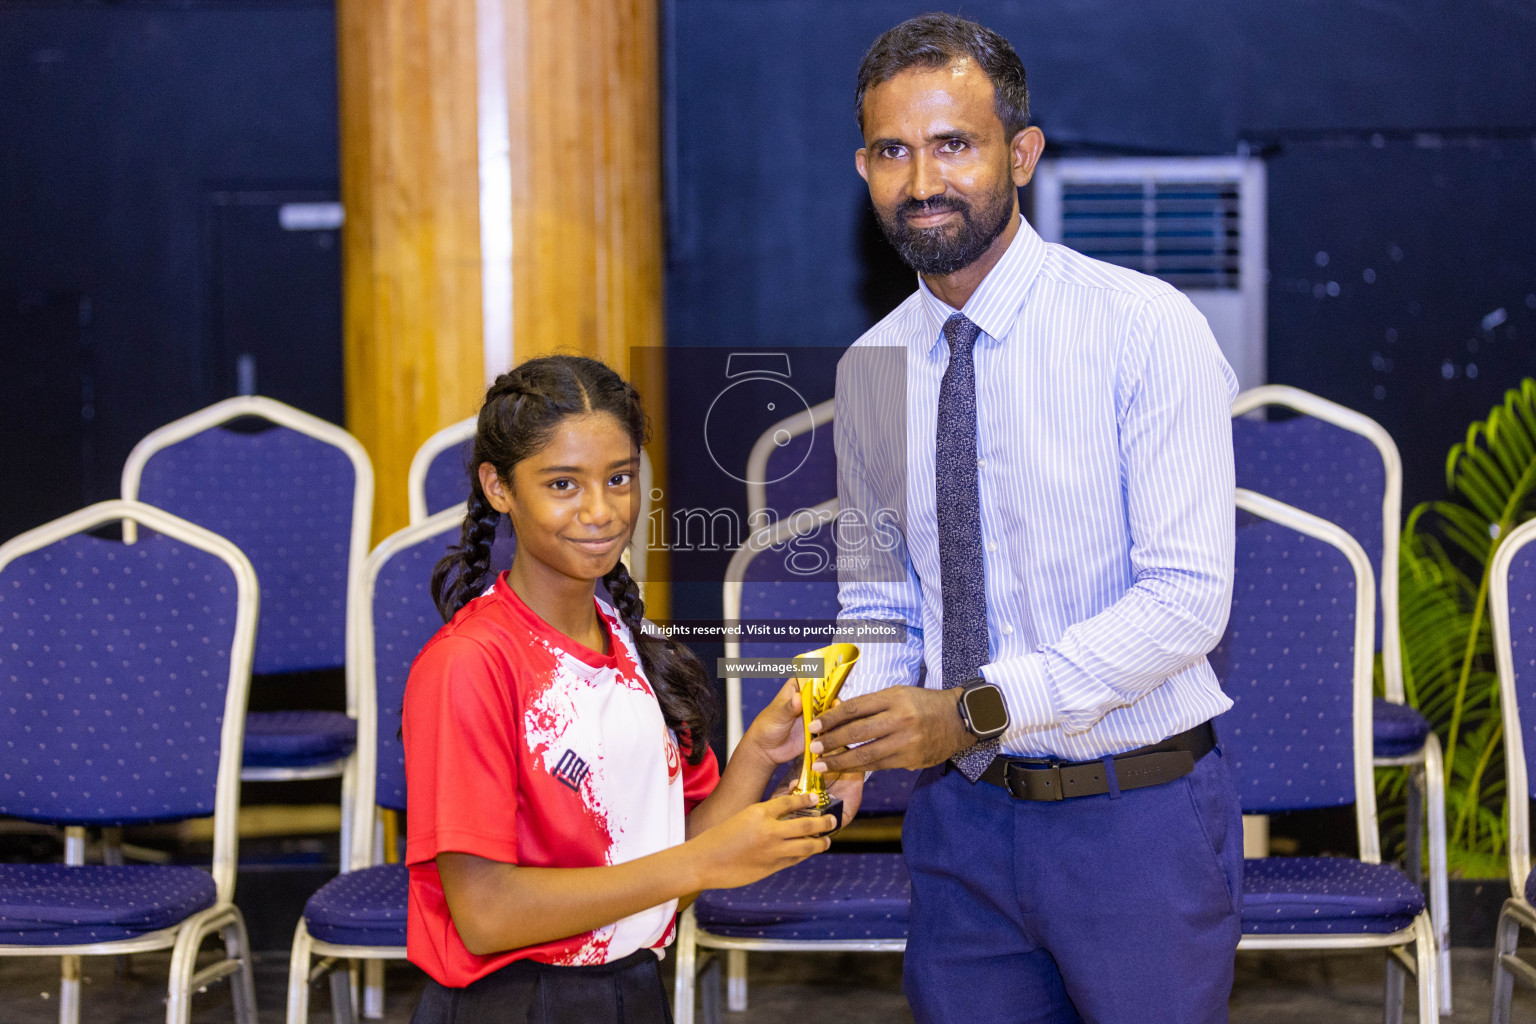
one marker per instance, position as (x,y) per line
(1064,503)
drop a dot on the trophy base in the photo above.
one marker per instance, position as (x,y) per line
(833,806)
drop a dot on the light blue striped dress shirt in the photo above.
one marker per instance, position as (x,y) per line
(1104,449)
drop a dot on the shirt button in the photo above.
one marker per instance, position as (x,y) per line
(981,462)
(992,546)
(1008,631)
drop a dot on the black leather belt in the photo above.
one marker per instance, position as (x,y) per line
(1153,765)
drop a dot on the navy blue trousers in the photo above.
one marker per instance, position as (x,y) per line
(1098,909)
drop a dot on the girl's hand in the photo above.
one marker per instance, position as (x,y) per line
(778,731)
(845,786)
(755,842)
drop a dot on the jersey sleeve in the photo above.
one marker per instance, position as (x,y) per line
(699,780)
(461,741)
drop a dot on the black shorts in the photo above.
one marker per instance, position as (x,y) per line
(627,991)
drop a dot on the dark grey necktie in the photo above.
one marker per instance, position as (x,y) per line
(962,574)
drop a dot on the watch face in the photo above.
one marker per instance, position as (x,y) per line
(986,710)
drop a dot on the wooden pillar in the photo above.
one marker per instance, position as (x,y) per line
(583,99)
(411,241)
(585,132)
(579,163)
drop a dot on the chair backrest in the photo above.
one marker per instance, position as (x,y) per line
(296,497)
(440,470)
(125,669)
(1512,603)
(1339,465)
(792,466)
(395,619)
(785,573)
(1296,660)
(439,479)
(764,582)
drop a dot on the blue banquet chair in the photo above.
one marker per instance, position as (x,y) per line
(297,498)
(833,901)
(1344,467)
(1296,660)
(1512,600)
(360,914)
(439,473)
(125,668)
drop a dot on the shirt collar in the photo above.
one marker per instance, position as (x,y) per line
(994,306)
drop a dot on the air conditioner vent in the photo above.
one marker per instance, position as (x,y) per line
(1196,222)
(1189,233)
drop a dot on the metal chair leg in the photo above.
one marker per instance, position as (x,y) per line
(1439,887)
(184,977)
(1506,941)
(1428,970)
(736,980)
(709,990)
(1413,825)
(373,989)
(242,984)
(69,990)
(687,963)
(1397,977)
(341,997)
(298,976)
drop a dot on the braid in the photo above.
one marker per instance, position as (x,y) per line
(523,409)
(681,683)
(461,574)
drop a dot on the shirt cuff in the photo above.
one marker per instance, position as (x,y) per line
(881,665)
(1026,690)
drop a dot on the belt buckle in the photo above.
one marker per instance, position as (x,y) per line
(1030,778)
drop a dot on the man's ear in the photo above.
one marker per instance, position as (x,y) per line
(1024,154)
(497,493)
(861,161)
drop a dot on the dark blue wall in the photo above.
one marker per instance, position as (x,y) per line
(117,123)
(767,235)
(771,241)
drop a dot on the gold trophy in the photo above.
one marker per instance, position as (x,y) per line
(816,695)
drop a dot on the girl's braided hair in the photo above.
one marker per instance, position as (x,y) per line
(522,411)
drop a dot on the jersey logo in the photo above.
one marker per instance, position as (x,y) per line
(572,770)
(674,758)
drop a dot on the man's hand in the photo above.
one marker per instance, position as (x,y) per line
(899,727)
(846,786)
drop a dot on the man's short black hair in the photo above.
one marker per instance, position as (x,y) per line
(938,40)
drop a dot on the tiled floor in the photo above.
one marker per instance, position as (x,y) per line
(848,988)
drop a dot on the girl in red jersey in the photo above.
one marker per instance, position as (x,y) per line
(561,792)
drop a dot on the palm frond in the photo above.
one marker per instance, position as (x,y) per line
(1445,629)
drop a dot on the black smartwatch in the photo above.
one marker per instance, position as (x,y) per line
(983,709)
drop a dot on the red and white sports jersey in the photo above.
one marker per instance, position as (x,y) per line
(525,747)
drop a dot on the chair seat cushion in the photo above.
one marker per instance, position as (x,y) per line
(1313,895)
(831,896)
(1397,730)
(887,792)
(297,739)
(361,908)
(57,905)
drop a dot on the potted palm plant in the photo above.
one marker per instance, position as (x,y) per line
(1449,671)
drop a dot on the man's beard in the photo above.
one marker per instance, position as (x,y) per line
(947,248)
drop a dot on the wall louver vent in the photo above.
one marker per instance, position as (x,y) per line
(1187,233)
(1196,222)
